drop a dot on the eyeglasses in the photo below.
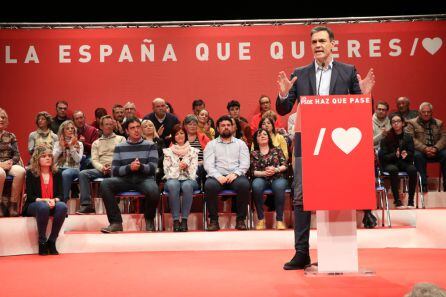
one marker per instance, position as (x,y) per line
(381,109)
(396,122)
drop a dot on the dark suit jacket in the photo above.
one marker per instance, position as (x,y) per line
(343,81)
(34,189)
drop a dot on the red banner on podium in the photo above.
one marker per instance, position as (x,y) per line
(337,152)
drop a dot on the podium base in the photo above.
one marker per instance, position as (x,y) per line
(312,271)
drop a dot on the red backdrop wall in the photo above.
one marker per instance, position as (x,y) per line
(40,66)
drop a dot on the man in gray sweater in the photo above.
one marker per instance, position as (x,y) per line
(133,168)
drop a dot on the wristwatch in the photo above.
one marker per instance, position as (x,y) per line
(277,170)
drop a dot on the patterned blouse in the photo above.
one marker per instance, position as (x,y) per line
(8,148)
(273,158)
(171,164)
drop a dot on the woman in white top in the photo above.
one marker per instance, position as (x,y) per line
(67,154)
(180,168)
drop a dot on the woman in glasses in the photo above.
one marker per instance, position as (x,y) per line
(398,155)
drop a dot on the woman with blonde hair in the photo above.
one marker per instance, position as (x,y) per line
(43,135)
(149,133)
(43,198)
(67,153)
(10,164)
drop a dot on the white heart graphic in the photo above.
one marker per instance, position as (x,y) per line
(346,140)
(432,45)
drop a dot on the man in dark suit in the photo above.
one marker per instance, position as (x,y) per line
(322,77)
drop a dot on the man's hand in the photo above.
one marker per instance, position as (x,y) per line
(106,169)
(284,84)
(397,152)
(81,138)
(134,166)
(367,83)
(384,132)
(231,177)
(222,180)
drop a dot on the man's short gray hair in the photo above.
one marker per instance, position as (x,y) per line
(425,104)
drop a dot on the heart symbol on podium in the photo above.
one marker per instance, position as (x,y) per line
(432,45)
(346,140)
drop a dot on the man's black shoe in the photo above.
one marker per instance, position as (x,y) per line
(85,209)
(213,226)
(240,225)
(150,225)
(369,220)
(299,261)
(114,227)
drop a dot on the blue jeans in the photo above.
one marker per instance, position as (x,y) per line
(85,177)
(259,184)
(68,175)
(41,211)
(174,187)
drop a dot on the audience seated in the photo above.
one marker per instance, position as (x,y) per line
(130,111)
(133,168)
(265,105)
(67,155)
(118,119)
(381,123)
(429,137)
(180,167)
(101,156)
(197,106)
(10,164)
(169,108)
(196,140)
(204,125)
(149,133)
(61,115)
(162,120)
(226,161)
(403,107)
(397,151)
(233,108)
(98,114)
(44,198)
(43,135)
(278,140)
(87,135)
(268,168)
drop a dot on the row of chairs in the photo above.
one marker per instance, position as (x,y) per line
(198,195)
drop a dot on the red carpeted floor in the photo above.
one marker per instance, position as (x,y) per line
(212,274)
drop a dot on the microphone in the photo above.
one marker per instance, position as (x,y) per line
(320,78)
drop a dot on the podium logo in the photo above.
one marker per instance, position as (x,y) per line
(346,140)
(432,45)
